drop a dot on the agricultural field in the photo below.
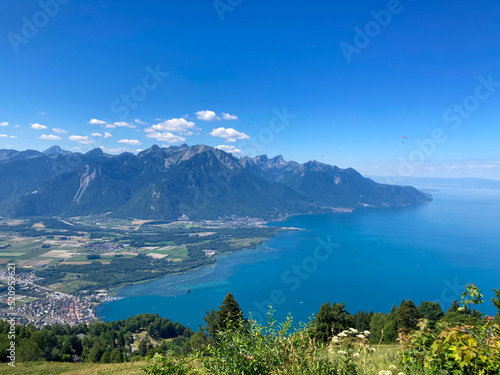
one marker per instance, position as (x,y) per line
(80,253)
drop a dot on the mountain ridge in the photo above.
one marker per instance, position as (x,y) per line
(198,181)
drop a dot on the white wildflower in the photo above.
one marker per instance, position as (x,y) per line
(353,330)
(341,352)
(392,367)
(366,333)
(401,373)
(335,339)
(355,355)
(342,334)
(360,336)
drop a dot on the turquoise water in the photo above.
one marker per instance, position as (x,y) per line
(368,259)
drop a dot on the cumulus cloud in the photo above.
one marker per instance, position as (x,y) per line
(4,123)
(13,136)
(38,126)
(231,149)
(107,135)
(96,135)
(59,131)
(50,137)
(81,139)
(3,135)
(164,136)
(206,116)
(177,125)
(122,124)
(229,134)
(227,116)
(131,142)
(138,121)
(95,121)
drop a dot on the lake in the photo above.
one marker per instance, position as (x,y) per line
(369,259)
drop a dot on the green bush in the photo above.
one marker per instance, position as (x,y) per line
(455,350)
(275,349)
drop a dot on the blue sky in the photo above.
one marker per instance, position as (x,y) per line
(336,82)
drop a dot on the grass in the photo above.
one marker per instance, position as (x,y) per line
(179,252)
(33,254)
(61,368)
(12,254)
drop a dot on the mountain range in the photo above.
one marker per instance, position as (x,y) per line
(199,181)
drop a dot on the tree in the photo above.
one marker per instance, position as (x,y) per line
(29,351)
(496,302)
(407,316)
(331,319)
(471,296)
(390,327)
(142,348)
(376,327)
(199,340)
(361,320)
(430,311)
(229,315)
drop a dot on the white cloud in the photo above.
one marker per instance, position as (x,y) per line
(229,134)
(131,142)
(13,136)
(4,123)
(121,124)
(96,135)
(3,135)
(50,137)
(164,137)
(81,139)
(17,126)
(38,126)
(59,131)
(95,121)
(206,116)
(107,135)
(177,125)
(227,116)
(117,150)
(138,121)
(230,149)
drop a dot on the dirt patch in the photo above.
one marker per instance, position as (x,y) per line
(33,263)
(62,254)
